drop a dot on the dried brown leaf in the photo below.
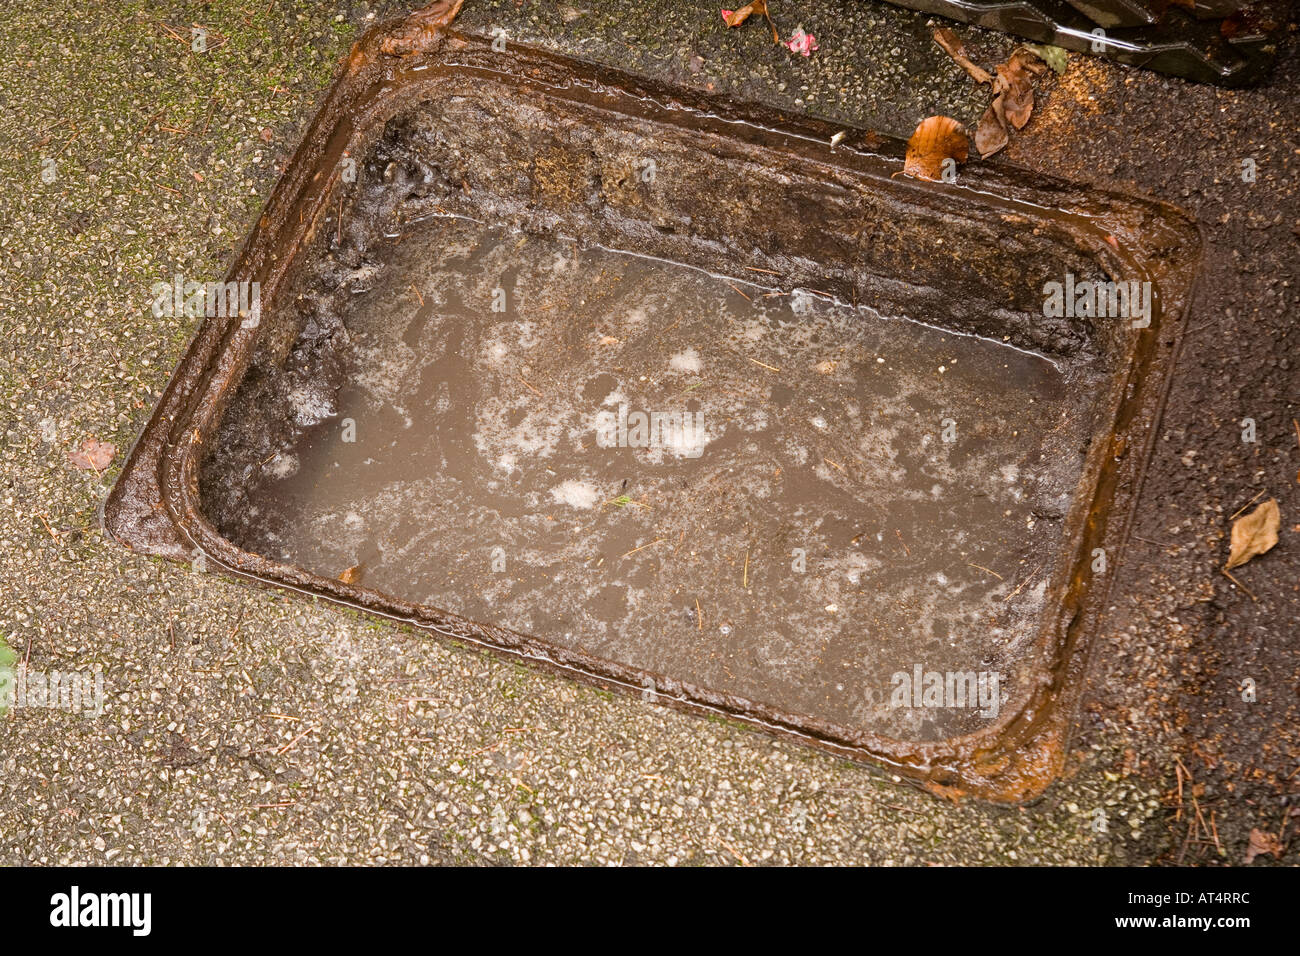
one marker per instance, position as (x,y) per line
(1027,59)
(1016,88)
(735,18)
(936,138)
(991,134)
(1254,534)
(351,575)
(93,455)
(1260,843)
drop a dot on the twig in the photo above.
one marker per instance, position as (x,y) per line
(989,570)
(226,822)
(289,745)
(770,368)
(1228,575)
(1247,504)
(734,852)
(1020,587)
(643,547)
(41,515)
(952,46)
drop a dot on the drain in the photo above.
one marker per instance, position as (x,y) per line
(670,395)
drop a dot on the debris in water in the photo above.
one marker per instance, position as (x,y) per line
(93,455)
(351,575)
(1254,534)
(937,138)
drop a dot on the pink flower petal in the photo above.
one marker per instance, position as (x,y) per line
(804,43)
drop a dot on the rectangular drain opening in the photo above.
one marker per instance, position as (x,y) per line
(669,394)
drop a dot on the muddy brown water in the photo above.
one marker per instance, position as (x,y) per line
(796,528)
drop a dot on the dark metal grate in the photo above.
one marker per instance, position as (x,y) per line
(1227,42)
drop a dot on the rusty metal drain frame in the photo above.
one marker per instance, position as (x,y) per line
(154,507)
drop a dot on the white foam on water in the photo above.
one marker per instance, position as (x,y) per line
(576,494)
(687,361)
(282,465)
(311,406)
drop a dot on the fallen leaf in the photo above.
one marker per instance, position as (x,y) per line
(351,575)
(952,46)
(1260,843)
(991,134)
(93,455)
(1254,534)
(1016,87)
(1017,94)
(1027,59)
(826,367)
(734,18)
(266,133)
(1053,56)
(936,139)
(1013,101)
(608,340)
